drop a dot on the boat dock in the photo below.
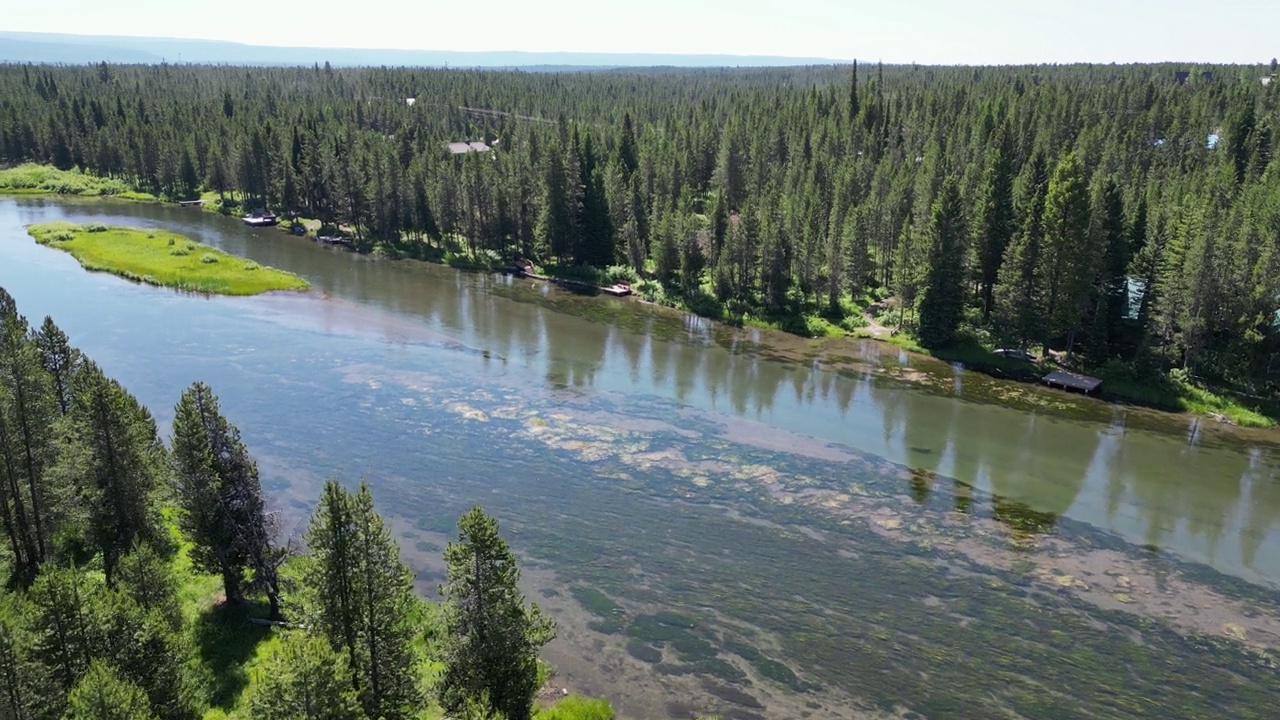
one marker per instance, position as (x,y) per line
(263,220)
(1072,381)
(525,269)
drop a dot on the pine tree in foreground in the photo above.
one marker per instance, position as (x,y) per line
(359,596)
(103,695)
(305,678)
(218,489)
(492,638)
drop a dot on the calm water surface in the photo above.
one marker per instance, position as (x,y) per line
(722,520)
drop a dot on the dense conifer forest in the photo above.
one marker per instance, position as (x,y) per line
(1126,215)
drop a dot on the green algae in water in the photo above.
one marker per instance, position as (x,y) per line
(644,652)
(770,669)
(853,622)
(595,602)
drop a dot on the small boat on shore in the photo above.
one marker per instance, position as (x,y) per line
(333,240)
(259,220)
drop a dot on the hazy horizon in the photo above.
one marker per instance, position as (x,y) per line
(995,32)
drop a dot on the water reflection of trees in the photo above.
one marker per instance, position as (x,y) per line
(1034,466)
(1264,499)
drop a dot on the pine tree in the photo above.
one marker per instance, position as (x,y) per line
(148,580)
(996,223)
(1110,294)
(942,305)
(63,635)
(628,155)
(113,447)
(27,411)
(493,638)
(596,242)
(218,490)
(102,694)
(555,224)
(305,678)
(17,692)
(1020,287)
(359,597)
(60,360)
(1067,260)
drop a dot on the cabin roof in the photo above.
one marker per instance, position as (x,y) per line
(463,147)
(1074,381)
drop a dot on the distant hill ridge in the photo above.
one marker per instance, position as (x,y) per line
(79,49)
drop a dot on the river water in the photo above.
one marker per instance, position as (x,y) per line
(722,520)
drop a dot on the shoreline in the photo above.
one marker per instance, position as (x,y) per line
(1158,399)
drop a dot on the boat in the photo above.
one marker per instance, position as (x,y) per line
(259,219)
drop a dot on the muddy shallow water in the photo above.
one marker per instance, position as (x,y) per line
(725,520)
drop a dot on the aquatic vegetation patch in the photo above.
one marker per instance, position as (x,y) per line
(147,256)
(771,669)
(644,652)
(929,596)
(595,602)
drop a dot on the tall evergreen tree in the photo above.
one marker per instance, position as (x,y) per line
(17,687)
(218,490)
(1068,258)
(111,444)
(60,360)
(359,596)
(1020,288)
(942,305)
(493,638)
(27,411)
(1111,240)
(996,222)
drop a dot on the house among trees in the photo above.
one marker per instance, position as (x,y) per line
(1181,76)
(1207,76)
(466,146)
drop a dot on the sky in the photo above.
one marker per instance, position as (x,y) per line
(893,31)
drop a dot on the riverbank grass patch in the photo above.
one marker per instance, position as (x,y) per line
(159,257)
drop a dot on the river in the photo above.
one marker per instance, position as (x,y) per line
(722,520)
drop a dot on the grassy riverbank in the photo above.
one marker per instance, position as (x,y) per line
(32,179)
(159,257)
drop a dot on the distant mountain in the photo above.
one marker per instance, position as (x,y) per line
(80,49)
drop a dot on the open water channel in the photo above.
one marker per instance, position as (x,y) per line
(726,520)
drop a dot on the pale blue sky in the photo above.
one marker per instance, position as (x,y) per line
(924,31)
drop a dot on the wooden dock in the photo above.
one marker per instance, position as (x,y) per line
(526,270)
(1072,381)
